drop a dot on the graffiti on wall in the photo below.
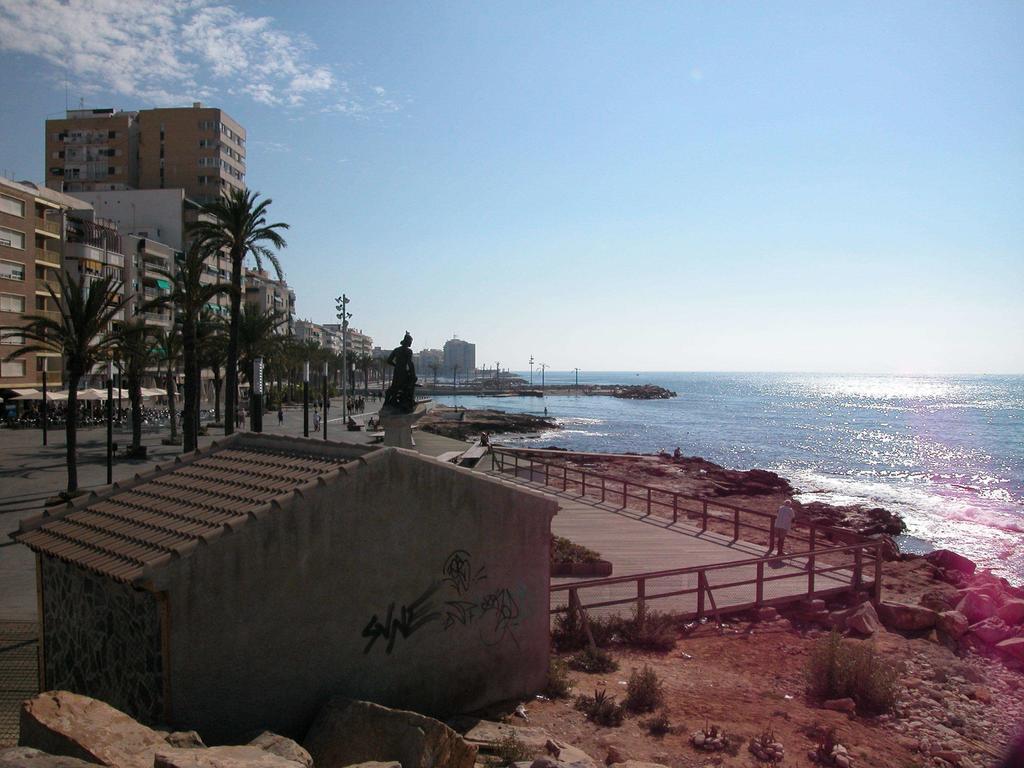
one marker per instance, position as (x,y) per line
(458,599)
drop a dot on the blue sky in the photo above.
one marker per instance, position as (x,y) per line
(677,186)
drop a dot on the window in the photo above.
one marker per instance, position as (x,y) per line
(12,270)
(41,303)
(12,369)
(12,238)
(111,134)
(12,337)
(11,303)
(110,170)
(12,206)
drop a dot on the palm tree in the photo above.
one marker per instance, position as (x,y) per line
(168,346)
(257,337)
(365,363)
(435,368)
(87,308)
(238,225)
(136,349)
(212,352)
(190,295)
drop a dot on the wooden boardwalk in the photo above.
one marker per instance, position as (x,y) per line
(636,543)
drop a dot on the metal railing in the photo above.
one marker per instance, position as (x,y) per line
(850,569)
(53,227)
(651,499)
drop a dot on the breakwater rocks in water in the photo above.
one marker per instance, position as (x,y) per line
(462,423)
(643,392)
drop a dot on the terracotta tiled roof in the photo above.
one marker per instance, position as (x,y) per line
(164,515)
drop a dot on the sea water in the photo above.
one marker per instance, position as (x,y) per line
(946,452)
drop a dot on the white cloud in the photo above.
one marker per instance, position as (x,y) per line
(173,51)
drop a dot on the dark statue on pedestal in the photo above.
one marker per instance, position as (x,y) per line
(401,395)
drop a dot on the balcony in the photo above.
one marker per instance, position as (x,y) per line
(48,257)
(47,227)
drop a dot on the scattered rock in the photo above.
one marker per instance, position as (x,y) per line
(841,705)
(485,734)
(65,723)
(948,560)
(347,731)
(992,630)
(27,757)
(569,755)
(1012,648)
(284,747)
(938,600)
(907,618)
(976,606)
(953,623)
(221,757)
(767,613)
(185,740)
(615,755)
(863,619)
(1012,611)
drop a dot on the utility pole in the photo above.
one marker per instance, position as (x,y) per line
(577,380)
(341,304)
(531,370)
(543,367)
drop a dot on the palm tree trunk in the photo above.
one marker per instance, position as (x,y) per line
(135,395)
(231,396)
(71,430)
(216,394)
(191,404)
(170,401)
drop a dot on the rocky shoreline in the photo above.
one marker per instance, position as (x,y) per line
(464,423)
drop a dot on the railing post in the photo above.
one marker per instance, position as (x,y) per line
(602,489)
(810,575)
(857,567)
(547,472)
(625,494)
(759,593)
(648,501)
(736,525)
(583,483)
(516,469)
(771,536)
(704,517)
(675,508)
(641,607)
(565,477)
(877,591)
(813,535)
(700,595)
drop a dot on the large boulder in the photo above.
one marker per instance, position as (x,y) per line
(976,606)
(992,630)
(27,757)
(347,731)
(65,723)
(1012,611)
(1012,649)
(221,757)
(284,747)
(486,734)
(953,624)
(940,600)
(906,618)
(863,619)
(948,560)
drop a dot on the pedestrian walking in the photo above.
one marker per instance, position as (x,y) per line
(316,421)
(783,522)
(280,414)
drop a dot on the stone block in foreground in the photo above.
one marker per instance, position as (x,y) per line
(348,732)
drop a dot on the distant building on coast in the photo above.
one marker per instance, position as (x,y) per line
(459,356)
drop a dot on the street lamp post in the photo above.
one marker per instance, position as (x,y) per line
(305,399)
(531,370)
(543,367)
(110,423)
(341,304)
(326,400)
(577,380)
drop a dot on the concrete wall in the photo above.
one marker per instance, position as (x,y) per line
(410,583)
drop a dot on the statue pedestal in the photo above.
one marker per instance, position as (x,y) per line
(398,426)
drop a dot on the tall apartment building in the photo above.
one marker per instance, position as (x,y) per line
(267,294)
(359,343)
(31,254)
(461,354)
(198,149)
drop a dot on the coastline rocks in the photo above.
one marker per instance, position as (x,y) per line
(867,521)
(65,723)
(863,619)
(284,747)
(992,630)
(939,600)
(462,423)
(486,734)
(906,618)
(347,731)
(947,560)
(643,392)
(1012,649)
(185,740)
(1012,611)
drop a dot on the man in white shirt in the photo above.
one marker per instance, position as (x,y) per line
(783,522)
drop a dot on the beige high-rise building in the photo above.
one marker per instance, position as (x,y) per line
(198,149)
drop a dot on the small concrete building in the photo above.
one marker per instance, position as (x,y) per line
(242,586)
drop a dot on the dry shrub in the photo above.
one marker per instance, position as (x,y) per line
(644,691)
(601,708)
(558,680)
(593,661)
(839,668)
